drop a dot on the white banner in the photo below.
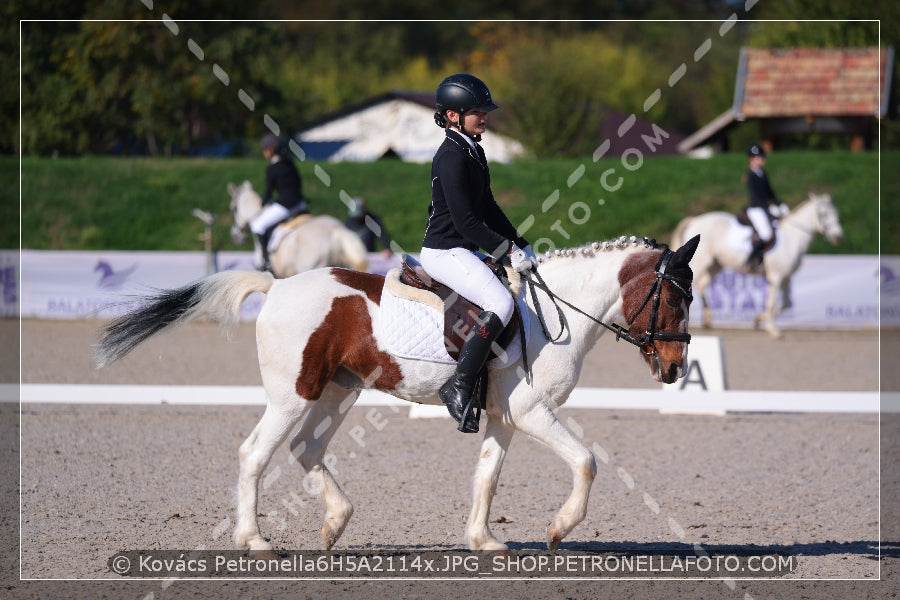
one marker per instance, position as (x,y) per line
(829,292)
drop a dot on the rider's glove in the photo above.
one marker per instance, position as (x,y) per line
(519,260)
(779,211)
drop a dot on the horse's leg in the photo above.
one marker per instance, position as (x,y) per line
(309,445)
(541,424)
(701,282)
(787,300)
(768,315)
(255,454)
(497,437)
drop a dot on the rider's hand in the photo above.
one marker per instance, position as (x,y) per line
(519,260)
(779,211)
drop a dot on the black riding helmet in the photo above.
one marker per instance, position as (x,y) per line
(756,150)
(270,141)
(461,92)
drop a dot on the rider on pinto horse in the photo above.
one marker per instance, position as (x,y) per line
(282,178)
(463,217)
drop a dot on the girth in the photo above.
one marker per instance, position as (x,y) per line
(460,315)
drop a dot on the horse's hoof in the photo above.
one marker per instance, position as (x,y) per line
(330,536)
(491,545)
(253,544)
(554,537)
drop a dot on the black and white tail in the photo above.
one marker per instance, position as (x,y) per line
(218,297)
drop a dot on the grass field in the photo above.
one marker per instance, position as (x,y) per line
(109,203)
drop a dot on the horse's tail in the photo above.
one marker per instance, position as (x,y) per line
(218,296)
(678,236)
(348,249)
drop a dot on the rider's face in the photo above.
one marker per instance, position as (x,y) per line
(474,121)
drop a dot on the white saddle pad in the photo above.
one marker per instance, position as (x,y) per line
(737,237)
(414,329)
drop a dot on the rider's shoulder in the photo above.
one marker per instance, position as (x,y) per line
(448,156)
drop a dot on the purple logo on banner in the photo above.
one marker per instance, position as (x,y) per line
(110,279)
(736,293)
(890,285)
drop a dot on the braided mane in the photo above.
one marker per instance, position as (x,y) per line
(592,248)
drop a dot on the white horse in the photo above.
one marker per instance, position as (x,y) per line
(321,340)
(726,244)
(317,241)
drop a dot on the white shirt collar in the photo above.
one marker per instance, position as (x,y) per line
(470,141)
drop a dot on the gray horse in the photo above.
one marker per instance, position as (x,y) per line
(726,244)
(314,241)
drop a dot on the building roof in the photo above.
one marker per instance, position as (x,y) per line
(804,83)
(812,82)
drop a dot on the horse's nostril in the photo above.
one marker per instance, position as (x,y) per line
(673,371)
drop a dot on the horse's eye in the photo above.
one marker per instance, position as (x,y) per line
(673,302)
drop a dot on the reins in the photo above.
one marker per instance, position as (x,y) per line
(644,341)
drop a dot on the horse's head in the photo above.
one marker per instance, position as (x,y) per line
(827,221)
(245,205)
(656,297)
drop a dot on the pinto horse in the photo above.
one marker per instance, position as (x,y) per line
(320,342)
(316,241)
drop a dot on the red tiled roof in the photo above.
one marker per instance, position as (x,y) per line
(810,82)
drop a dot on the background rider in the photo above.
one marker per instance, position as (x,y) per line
(763,203)
(282,180)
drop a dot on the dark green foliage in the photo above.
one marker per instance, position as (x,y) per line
(100,85)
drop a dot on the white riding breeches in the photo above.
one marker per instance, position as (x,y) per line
(760,219)
(463,272)
(269,217)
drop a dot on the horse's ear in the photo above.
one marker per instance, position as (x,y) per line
(684,254)
(231,189)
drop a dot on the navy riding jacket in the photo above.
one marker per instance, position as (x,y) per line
(463,212)
(282,177)
(761,194)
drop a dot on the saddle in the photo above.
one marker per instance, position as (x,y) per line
(295,220)
(285,227)
(460,315)
(744,220)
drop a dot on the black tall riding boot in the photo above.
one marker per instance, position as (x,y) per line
(457,392)
(264,244)
(756,255)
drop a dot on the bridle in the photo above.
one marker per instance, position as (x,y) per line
(645,341)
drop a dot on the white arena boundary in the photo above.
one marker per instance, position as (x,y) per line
(696,402)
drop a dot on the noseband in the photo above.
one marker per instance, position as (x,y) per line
(645,341)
